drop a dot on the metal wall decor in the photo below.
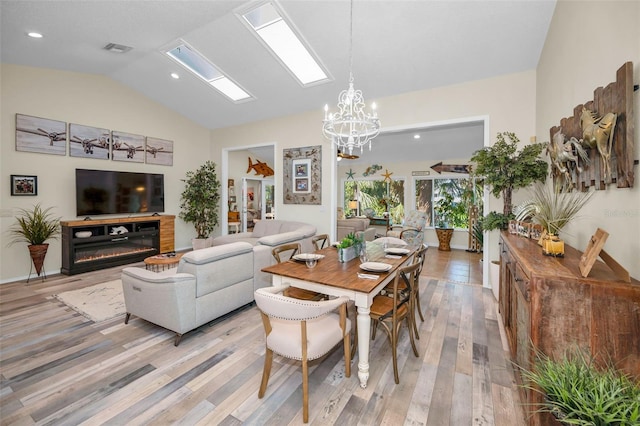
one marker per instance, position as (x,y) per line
(302,177)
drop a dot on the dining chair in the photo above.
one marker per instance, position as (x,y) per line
(420,257)
(278,253)
(390,312)
(301,330)
(323,239)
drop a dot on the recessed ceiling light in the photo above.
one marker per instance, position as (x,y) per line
(175,75)
(33,34)
(416,136)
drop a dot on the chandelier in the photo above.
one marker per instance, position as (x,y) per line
(351,126)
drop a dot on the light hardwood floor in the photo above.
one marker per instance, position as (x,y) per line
(60,368)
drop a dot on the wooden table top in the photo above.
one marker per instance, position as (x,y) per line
(329,271)
(162,259)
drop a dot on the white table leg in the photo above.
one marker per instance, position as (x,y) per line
(364,325)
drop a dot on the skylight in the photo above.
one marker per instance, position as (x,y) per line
(276,33)
(195,62)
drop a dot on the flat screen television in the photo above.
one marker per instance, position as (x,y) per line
(102,192)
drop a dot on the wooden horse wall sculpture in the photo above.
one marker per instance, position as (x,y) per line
(597,132)
(566,157)
(605,129)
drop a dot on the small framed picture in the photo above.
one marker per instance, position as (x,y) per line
(302,185)
(24,185)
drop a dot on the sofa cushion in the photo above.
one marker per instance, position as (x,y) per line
(283,238)
(210,254)
(263,228)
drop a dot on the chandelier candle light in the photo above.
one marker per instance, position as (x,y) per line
(351,127)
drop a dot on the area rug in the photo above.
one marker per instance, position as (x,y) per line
(98,303)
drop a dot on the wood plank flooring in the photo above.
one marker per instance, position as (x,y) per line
(58,368)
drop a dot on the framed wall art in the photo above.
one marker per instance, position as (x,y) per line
(89,142)
(302,176)
(127,147)
(24,185)
(35,134)
(159,151)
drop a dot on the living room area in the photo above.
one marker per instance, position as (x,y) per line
(61,367)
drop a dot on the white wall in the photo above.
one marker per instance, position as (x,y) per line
(586,44)
(94,101)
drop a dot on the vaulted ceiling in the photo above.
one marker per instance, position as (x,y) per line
(398,46)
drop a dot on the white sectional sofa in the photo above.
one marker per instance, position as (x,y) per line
(207,284)
(273,233)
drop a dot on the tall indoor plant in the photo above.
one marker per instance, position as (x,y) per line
(200,202)
(35,227)
(505,169)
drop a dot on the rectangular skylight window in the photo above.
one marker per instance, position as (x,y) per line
(195,62)
(285,44)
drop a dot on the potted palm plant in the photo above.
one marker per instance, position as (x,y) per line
(552,208)
(35,227)
(200,202)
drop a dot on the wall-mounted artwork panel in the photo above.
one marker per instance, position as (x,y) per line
(127,147)
(159,151)
(89,142)
(35,134)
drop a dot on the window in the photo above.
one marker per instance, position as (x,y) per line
(375,197)
(458,194)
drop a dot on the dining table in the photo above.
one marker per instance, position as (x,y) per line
(334,278)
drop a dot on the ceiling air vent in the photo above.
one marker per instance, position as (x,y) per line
(117,48)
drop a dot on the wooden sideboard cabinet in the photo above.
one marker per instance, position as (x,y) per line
(546,303)
(167,233)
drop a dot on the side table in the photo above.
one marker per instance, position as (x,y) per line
(161,262)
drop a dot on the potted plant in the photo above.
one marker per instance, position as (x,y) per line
(577,392)
(200,202)
(444,209)
(504,169)
(35,227)
(552,209)
(350,247)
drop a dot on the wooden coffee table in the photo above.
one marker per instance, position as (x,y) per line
(160,262)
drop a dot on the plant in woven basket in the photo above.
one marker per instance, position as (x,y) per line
(35,227)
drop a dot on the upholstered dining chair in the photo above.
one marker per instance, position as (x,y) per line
(320,241)
(412,228)
(279,254)
(390,312)
(301,330)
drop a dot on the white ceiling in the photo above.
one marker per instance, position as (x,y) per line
(399,46)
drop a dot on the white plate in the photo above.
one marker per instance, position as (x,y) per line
(375,266)
(396,250)
(83,234)
(304,256)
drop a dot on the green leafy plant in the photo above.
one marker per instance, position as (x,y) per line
(350,240)
(450,213)
(495,220)
(35,226)
(200,200)
(579,393)
(504,168)
(552,208)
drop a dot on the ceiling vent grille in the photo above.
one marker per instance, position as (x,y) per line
(117,48)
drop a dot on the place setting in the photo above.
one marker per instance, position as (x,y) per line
(378,267)
(310,259)
(396,252)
